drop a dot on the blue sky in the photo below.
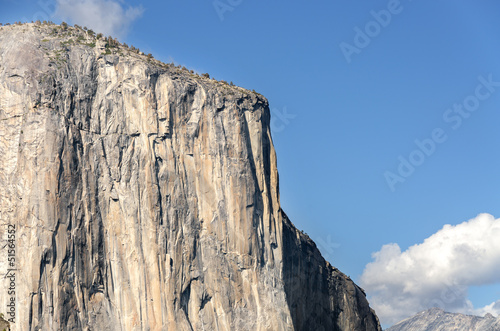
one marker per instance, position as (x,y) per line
(345,120)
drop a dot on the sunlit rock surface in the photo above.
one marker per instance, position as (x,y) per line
(146,197)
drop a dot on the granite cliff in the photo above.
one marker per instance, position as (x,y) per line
(436,319)
(142,196)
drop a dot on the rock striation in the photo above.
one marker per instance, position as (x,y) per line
(436,319)
(145,197)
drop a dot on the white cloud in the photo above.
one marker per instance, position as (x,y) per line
(106,16)
(437,272)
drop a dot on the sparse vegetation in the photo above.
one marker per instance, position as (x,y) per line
(67,42)
(69,36)
(111,43)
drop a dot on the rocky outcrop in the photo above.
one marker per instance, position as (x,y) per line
(4,325)
(145,197)
(436,319)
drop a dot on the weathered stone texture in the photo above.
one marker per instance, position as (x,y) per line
(146,198)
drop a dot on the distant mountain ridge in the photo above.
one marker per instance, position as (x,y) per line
(436,319)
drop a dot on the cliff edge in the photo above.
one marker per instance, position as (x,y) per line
(142,196)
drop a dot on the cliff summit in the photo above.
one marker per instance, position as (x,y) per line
(137,195)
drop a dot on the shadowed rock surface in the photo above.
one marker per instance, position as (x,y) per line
(436,319)
(146,197)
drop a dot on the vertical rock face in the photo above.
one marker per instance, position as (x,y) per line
(146,198)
